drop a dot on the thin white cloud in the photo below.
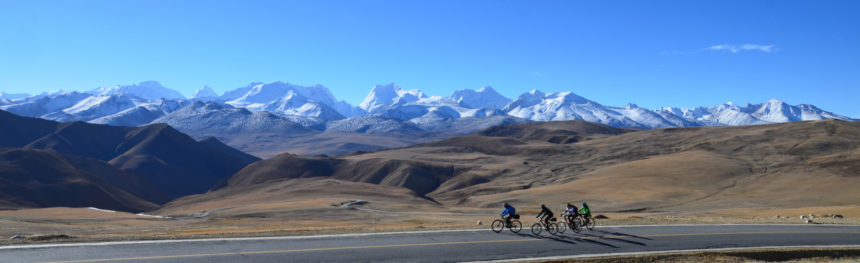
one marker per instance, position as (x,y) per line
(744,47)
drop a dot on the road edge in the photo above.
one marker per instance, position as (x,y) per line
(131,242)
(646,253)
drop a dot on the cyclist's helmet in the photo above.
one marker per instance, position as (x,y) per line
(507,205)
(542,205)
(569,205)
(584,204)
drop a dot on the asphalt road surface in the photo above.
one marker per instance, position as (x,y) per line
(441,246)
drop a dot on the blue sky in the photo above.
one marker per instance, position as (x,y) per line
(653,53)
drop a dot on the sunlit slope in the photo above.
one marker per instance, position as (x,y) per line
(668,170)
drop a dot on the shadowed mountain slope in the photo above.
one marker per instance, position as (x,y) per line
(17,131)
(38,178)
(167,162)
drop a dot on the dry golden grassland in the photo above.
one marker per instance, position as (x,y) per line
(326,216)
(754,175)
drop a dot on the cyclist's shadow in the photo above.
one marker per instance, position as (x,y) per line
(568,240)
(617,239)
(622,234)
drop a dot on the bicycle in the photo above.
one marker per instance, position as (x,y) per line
(499,224)
(574,224)
(552,227)
(562,226)
(591,222)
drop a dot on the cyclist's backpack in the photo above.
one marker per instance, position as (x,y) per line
(516,217)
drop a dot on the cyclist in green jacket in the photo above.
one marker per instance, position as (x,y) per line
(585,212)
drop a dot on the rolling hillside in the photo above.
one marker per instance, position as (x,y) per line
(666,170)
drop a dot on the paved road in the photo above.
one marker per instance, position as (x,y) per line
(441,246)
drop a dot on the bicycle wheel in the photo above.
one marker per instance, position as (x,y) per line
(577,225)
(537,228)
(590,224)
(498,225)
(551,228)
(516,226)
(561,226)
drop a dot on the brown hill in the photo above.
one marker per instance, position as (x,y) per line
(420,177)
(17,131)
(565,132)
(38,178)
(163,162)
(680,169)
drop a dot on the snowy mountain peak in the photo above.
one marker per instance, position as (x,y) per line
(776,111)
(567,97)
(294,103)
(486,89)
(312,106)
(527,99)
(382,96)
(485,97)
(13,96)
(261,93)
(204,92)
(150,90)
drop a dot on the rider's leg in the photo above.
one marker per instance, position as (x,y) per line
(508,221)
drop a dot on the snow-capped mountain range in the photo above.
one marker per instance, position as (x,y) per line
(386,109)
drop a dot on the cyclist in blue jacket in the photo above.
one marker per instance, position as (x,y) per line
(508,213)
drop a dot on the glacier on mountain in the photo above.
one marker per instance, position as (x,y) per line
(142,114)
(383,96)
(204,93)
(287,99)
(40,105)
(214,119)
(485,97)
(149,90)
(12,96)
(387,108)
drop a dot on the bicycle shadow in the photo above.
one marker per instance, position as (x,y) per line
(615,238)
(622,234)
(568,240)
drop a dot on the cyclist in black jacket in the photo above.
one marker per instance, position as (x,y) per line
(545,215)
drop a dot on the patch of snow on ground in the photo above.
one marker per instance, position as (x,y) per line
(101,210)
